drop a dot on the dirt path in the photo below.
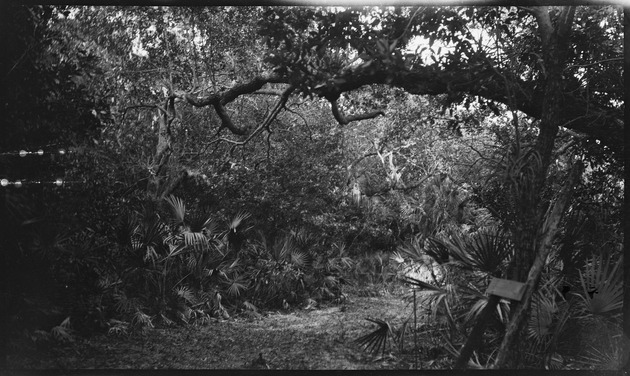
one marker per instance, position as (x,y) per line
(304,339)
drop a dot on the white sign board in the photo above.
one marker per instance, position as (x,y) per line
(506,288)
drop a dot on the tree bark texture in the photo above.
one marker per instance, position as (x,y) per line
(159,174)
(532,234)
(548,231)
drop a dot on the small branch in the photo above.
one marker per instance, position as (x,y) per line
(135,107)
(595,63)
(145,70)
(270,117)
(565,147)
(230,141)
(310,132)
(267,92)
(344,120)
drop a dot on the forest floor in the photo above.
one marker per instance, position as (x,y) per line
(320,338)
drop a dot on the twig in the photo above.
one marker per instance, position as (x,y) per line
(594,63)
(274,113)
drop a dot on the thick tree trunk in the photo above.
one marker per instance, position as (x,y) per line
(160,175)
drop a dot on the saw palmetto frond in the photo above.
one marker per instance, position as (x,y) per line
(417,284)
(602,284)
(299,258)
(196,240)
(489,249)
(238,219)
(178,208)
(236,285)
(376,341)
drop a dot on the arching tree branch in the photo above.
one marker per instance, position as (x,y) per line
(600,121)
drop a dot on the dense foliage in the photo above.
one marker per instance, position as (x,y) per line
(226,161)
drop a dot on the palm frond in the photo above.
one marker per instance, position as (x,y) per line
(376,341)
(437,249)
(299,258)
(456,245)
(127,305)
(450,347)
(178,208)
(63,331)
(476,309)
(175,250)
(238,219)
(547,320)
(602,285)
(199,222)
(142,320)
(125,228)
(170,322)
(541,318)
(211,227)
(345,262)
(185,293)
(236,286)
(302,237)
(397,257)
(153,232)
(489,249)
(606,356)
(283,248)
(414,250)
(422,285)
(338,250)
(249,306)
(150,254)
(197,240)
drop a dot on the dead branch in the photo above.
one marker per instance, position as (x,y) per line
(614,59)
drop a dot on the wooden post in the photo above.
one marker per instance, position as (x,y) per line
(415,332)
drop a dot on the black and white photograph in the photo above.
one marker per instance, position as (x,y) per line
(314,186)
